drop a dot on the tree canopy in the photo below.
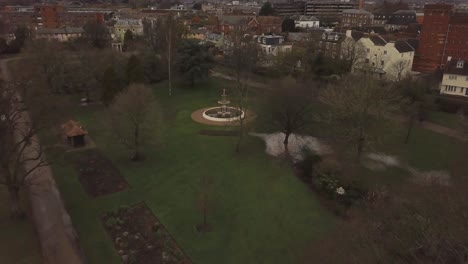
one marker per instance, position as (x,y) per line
(266,10)
(193,60)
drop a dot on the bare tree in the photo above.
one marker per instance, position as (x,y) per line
(357,103)
(414,103)
(129,117)
(399,68)
(352,52)
(290,109)
(204,202)
(416,224)
(20,154)
(241,57)
(163,38)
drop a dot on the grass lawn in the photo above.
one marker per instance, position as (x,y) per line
(261,213)
(18,242)
(444,119)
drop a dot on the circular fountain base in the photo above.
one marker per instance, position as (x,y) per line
(198,117)
(218,114)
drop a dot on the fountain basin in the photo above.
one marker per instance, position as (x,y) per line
(218,115)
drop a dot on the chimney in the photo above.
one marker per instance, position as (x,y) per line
(361,4)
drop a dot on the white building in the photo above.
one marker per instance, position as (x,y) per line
(385,60)
(60,34)
(122,25)
(271,46)
(455,80)
(306,22)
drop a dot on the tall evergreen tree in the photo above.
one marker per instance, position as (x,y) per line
(266,10)
(135,72)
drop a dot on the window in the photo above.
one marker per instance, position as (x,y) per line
(367,61)
(460,64)
(382,63)
(385,52)
(368,50)
(452,77)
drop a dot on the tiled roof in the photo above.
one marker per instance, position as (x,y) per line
(453,69)
(268,20)
(64,30)
(73,128)
(356,11)
(304,18)
(377,40)
(403,46)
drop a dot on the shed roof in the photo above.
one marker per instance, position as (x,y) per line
(73,128)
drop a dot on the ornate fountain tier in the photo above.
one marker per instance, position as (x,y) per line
(223,113)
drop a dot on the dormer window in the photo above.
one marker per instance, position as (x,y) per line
(460,64)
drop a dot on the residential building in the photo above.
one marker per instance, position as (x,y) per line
(381,18)
(443,35)
(50,16)
(228,23)
(356,17)
(400,20)
(289,8)
(329,11)
(385,60)
(337,45)
(60,34)
(272,45)
(122,25)
(306,21)
(265,25)
(455,79)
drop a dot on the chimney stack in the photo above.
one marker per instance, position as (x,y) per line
(361,4)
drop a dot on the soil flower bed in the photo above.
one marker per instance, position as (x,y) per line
(98,175)
(139,237)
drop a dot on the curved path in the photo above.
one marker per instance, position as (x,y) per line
(450,132)
(57,237)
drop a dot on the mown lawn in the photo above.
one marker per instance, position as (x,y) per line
(261,213)
(18,242)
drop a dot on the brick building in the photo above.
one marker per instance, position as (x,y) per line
(49,16)
(443,35)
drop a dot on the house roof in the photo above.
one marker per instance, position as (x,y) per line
(403,46)
(298,36)
(377,40)
(453,69)
(413,42)
(233,20)
(128,22)
(357,35)
(356,11)
(73,128)
(405,12)
(64,30)
(304,18)
(268,20)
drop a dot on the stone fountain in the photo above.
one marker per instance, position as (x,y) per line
(223,113)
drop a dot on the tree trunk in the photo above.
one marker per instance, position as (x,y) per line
(241,134)
(169,51)
(286,142)
(410,128)
(15,206)
(360,146)
(136,154)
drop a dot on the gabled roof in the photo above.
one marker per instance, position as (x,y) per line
(298,36)
(73,128)
(64,30)
(233,20)
(453,69)
(304,18)
(403,46)
(405,12)
(377,40)
(356,11)
(268,20)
